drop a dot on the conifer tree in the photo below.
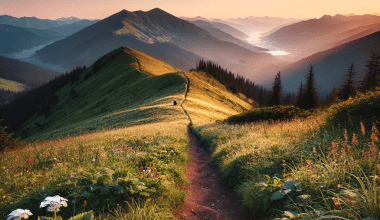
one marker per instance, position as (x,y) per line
(348,89)
(332,97)
(276,97)
(310,99)
(371,79)
(299,97)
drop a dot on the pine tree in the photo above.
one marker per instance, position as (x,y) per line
(348,89)
(310,99)
(276,97)
(371,79)
(299,98)
(332,97)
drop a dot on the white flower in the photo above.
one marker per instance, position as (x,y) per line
(19,214)
(54,202)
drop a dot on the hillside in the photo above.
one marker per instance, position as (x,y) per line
(208,100)
(24,73)
(127,87)
(311,36)
(157,33)
(331,65)
(11,85)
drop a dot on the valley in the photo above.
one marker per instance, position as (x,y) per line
(155,113)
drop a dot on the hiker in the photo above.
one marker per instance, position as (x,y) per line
(175,102)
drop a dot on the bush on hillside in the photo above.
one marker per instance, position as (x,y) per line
(6,140)
(364,108)
(268,113)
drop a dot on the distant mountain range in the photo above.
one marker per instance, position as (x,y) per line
(157,33)
(33,22)
(18,34)
(331,65)
(221,26)
(253,24)
(221,35)
(311,36)
(14,39)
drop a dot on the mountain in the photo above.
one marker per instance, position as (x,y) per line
(253,24)
(25,73)
(69,20)
(14,39)
(197,18)
(33,22)
(217,33)
(331,65)
(72,28)
(311,36)
(230,30)
(157,33)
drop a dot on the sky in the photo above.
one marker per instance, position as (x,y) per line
(99,9)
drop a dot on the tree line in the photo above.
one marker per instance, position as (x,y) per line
(234,82)
(307,97)
(35,101)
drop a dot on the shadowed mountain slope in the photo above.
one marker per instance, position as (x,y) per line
(24,73)
(157,33)
(14,39)
(331,65)
(72,28)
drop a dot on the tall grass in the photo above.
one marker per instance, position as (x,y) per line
(322,166)
(106,169)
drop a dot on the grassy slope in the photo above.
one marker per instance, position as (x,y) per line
(208,100)
(11,85)
(117,95)
(157,140)
(333,154)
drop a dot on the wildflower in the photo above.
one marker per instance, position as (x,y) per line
(345,135)
(336,203)
(365,155)
(54,203)
(374,129)
(362,128)
(314,150)
(29,161)
(334,148)
(374,137)
(348,148)
(354,140)
(19,214)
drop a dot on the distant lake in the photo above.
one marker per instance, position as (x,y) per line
(256,40)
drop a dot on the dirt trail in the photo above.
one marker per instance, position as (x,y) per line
(209,197)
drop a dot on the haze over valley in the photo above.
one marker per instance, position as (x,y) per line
(195,109)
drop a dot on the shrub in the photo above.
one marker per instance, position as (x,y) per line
(268,113)
(6,140)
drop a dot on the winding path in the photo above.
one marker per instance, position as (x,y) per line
(208,196)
